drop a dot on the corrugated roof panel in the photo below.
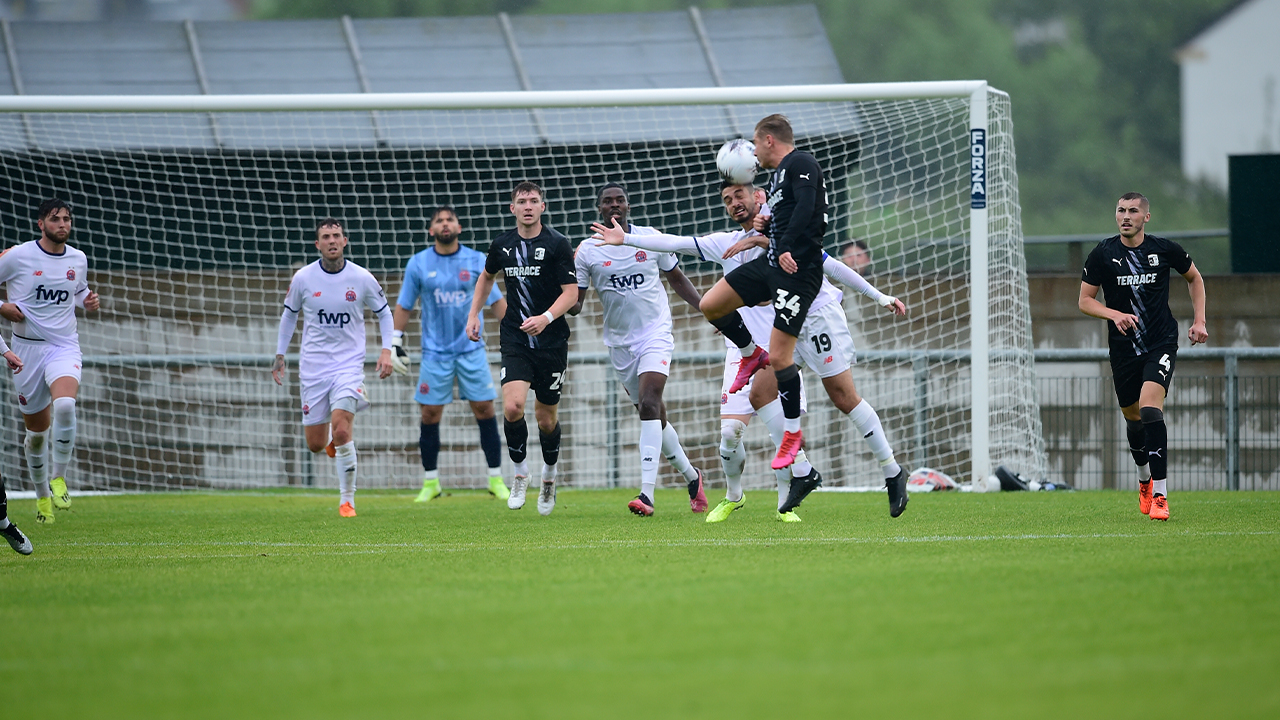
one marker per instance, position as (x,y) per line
(6,79)
(436,55)
(68,58)
(772,46)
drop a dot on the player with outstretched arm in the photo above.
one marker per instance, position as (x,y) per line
(537,263)
(331,295)
(1132,270)
(47,280)
(444,277)
(637,331)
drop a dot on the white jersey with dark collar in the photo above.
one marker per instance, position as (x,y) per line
(629,283)
(332,309)
(46,287)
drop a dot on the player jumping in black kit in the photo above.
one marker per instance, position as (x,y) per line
(1132,269)
(534,336)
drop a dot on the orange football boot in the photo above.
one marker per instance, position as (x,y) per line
(347,510)
(1159,508)
(1144,497)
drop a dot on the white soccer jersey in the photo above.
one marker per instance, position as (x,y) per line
(46,287)
(630,287)
(332,308)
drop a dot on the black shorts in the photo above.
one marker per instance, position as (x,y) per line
(789,294)
(1131,372)
(544,369)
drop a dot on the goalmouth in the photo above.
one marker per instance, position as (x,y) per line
(195,210)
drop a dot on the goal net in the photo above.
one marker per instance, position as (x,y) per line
(195,211)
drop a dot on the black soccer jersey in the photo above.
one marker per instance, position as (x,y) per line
(1136,281)
(797,197)
(535,269)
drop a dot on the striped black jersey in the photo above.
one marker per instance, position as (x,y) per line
(797,196)
(535,269)
(1136,281)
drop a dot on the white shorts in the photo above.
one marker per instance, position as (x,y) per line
(825,345)
(739,403)
(650,355)
(42,363)
(320,397)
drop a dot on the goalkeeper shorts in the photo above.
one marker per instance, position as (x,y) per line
(438,371)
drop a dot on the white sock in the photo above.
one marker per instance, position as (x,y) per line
(650,441)
(774,419)
(1157,488)
(749,350)
(495,472)
(63,434)
(792,425)
(36,447)
(344,460)
(429,475)
(783,477)
(733,457)
(867,422)
(4,522)
(549,473)
(801,466)
(674,452)
(521,468)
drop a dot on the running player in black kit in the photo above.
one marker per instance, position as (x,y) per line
(1132,268)
(534,336)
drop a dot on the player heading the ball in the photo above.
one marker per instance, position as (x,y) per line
(537,263)
(331,294)
(444,278)
(46,280)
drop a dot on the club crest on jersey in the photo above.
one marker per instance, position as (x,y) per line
(71,274)
(464,275)
(306,409)
(351,295)
(1153,260)
(539,253)
(423,389)
(724,398)
(641,256)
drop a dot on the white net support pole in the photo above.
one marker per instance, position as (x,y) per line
(979,344)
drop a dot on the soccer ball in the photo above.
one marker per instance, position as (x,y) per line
(737,161)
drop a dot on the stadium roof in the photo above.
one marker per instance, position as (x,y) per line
(750,46)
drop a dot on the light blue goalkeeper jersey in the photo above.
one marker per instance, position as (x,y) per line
(445,284)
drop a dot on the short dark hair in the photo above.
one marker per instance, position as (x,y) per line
(330,222)
(1142,199)
(726,184)
(860,244)
(600,192)
(443,208)
(527,187)
(778,126)
(48,207)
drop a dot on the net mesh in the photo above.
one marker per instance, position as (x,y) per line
(194,223)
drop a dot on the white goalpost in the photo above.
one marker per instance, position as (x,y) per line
(196,210)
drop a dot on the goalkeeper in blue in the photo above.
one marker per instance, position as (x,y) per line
(443,277)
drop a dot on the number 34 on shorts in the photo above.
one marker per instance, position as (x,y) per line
(787,301)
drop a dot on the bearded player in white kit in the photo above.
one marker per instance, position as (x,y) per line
(47,280)
(331,295)
(637,331)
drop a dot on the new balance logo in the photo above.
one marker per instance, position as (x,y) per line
(873,432)
(38,272)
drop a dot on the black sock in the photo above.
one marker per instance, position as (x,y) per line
(4,501)
(789,390)
(1137,441)
(429,445)
(732,327)
(489,441)
(517,436)
(550,445)
(1157,441)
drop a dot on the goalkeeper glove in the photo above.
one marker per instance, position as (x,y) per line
(399,356)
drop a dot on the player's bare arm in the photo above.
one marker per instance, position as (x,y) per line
(684,287)
(498,309)
(484,285)
(535,325)
(1198,332)
(383,366)
(582,298)
(746,243)
(1091,306)
(277,370)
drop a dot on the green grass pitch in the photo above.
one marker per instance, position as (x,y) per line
(1017,605)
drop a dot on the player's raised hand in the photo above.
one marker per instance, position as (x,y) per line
(473,327)
(761,223)
(614,235)
(1125,322)
(92,301)
(894,305)
(15,362)
(384,365)
(1198,333)
(277,370)
(787,263)
(399,356)
(12,312)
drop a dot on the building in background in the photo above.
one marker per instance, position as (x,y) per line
(1231,90)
